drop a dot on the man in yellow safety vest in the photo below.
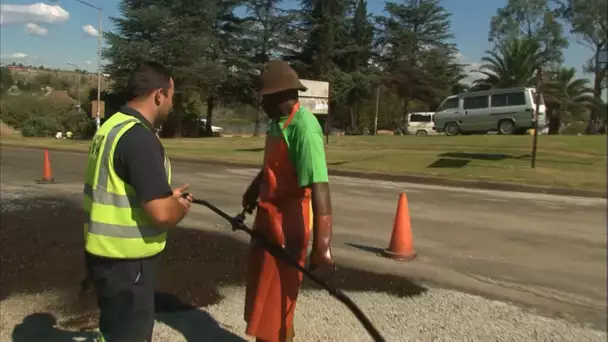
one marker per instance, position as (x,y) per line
(129,206)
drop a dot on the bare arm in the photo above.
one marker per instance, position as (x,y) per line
(322,216)
(167,212)
(252,193)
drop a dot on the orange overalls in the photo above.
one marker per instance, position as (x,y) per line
(284,217)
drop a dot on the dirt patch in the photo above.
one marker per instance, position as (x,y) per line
(5,130)
(42,251)
(385,132)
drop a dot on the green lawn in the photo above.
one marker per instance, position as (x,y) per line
(563,161)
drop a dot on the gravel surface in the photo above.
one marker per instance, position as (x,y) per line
(438,315)
(41,266)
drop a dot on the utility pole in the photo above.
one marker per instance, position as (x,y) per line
(377,108)
(539,80)
(99,47)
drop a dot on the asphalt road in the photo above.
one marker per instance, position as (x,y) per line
(543,252)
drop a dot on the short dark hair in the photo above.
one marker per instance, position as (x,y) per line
(147,77)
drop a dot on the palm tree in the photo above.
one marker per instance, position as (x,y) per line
(513,64)
(566,97)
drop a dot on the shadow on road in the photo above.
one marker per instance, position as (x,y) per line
(362,159)
(42,251)
(43,327)
(192,323)
(368,249)
(259,149)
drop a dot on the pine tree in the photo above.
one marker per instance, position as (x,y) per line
(416,50)
(198,40)
(266,25)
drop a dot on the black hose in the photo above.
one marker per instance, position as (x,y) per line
(279,253)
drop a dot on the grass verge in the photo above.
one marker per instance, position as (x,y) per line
(576,162)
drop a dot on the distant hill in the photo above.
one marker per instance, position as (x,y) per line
(28,73)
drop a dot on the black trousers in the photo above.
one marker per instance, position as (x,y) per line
(125,296)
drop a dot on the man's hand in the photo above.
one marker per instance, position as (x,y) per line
(321,258)
(178,193)
(167,212)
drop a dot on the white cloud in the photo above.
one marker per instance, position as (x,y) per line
(36,30)
(88,62)
(16,55)
(34,13)
(90,31)
(470,69)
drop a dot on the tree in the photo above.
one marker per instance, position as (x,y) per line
(512,64)
(353,79)
(234,71)
(567,97)
(315,41)
(415,46)
(531,19)
(6,80)
(266,25)
(589,22)
(198,40)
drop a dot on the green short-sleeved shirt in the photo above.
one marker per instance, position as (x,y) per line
(306,149)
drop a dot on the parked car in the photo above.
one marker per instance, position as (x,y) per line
(420,123)
(216,130)
(507,111)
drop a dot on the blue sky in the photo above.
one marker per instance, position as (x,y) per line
(61,38)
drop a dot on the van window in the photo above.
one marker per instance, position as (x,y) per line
(449,104)
(420,118)
(508,99)
(476,102)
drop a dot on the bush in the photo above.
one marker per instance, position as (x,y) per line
(37,116)
(16,110)
(574,128)
(78,123)
(40,127)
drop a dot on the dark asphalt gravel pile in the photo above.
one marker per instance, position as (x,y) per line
(42,251)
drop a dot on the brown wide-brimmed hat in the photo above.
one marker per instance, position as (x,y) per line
(279,76)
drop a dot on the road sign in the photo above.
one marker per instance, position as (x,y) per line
(102,109)
(316,98)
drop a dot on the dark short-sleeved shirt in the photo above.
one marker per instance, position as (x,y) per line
(139,160)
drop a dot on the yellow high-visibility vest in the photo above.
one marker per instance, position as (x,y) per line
(116,225)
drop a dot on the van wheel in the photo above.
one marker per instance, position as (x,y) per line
(421,133)
(451,129)
(506,127)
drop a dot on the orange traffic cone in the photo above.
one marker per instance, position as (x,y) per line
(47,173)
(400,247)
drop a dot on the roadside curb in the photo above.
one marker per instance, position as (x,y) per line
(404,178)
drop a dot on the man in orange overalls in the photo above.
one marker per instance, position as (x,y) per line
(293,194)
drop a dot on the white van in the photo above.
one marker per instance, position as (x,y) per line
(420,123)
(507,111)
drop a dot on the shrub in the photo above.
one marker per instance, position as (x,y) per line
(40,127)
(78,123)
(18,109)
(574,128)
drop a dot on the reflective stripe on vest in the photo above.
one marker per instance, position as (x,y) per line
(116,225)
